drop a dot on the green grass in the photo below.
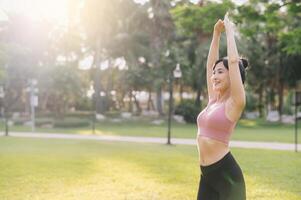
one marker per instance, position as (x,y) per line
(73,169)
(250,130)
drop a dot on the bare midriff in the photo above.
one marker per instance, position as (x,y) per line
(210,150)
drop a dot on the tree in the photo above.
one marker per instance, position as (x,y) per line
(262,23)
(195,23)
(161,32)
(100,22)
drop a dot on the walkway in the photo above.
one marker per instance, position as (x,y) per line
(183,141)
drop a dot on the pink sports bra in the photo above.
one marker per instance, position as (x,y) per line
(213,123)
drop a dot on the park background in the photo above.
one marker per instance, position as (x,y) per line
(112,70)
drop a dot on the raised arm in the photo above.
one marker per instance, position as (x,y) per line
(213,55)
(237,88)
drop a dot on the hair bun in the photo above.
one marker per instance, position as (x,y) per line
(245,63)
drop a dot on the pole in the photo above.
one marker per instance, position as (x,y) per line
(296,122)
(93,123)
(6,125)
(5,112)
(93,113)
(32,88)
(170,106)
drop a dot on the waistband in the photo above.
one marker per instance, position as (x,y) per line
(212,167)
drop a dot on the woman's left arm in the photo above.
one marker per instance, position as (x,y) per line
(236,85)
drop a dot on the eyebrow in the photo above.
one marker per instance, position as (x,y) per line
(217,69)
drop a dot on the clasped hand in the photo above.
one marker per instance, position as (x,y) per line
(225,24)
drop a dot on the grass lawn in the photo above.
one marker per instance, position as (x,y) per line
(86,170)
(250,130)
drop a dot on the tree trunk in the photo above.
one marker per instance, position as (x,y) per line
(150,103)
(44,101)
(120,100)
(280,99)
(109,87)
(260,103)
(96,77)
(266,102)
(280,89)
(181,91)
(198,97)
(137,105)
(130,102)
(159,101)
(199,87)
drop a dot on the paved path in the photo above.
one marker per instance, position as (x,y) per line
(183,141)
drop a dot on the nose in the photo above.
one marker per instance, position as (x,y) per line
(213,77)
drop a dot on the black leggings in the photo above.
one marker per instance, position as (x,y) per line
(222,180)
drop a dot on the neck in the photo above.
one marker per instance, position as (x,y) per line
(222,96)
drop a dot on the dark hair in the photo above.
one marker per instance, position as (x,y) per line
(243,64)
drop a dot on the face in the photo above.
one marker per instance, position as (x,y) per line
(220,78)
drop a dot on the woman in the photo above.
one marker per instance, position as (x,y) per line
(221,177)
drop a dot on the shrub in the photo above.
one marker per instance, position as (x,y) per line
(43,121)
(71,123)
(112,114)
(84,103)
(20,121)
(80,114)
(188,110)
(44,114)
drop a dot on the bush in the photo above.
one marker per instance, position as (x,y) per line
(43,121)
(73,114)
(20,121)
(71,123)
(80,114)
(84,103)
(38,121)
(188,110)
(44,114)
(113,114)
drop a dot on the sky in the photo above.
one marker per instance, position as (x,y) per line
(239,2)
(50,9)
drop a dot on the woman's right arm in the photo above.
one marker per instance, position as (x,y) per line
(213,55)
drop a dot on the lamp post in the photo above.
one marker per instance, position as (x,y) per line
(297,103)
(33,101)
(176,73)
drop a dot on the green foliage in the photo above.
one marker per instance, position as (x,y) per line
(20,121)
(269,34)
(251,103)
(291,41)
(188,110)
(199,19)
(71,123)
(287,106)
(38,121)
(43,121)
(83,104)
(79,114)
(40,114)
(113,114)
